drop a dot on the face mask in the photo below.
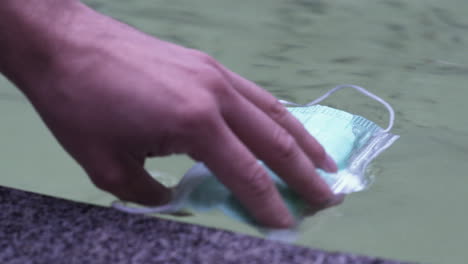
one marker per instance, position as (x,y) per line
(351,140)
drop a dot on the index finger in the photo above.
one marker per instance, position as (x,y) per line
(239,170)
(269,104)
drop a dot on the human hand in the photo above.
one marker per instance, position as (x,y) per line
(114,96)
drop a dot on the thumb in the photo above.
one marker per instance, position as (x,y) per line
(126,178)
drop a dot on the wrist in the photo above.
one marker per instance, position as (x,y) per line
(36,37)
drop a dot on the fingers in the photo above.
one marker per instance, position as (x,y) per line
(126,178)
(238,169)
(274,145)
(270,105)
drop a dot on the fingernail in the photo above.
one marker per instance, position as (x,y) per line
(287,221)
(336,200)
(330,165)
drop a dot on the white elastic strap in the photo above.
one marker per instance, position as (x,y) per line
(142,210)
(359,89)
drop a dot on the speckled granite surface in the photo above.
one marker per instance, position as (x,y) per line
(41,229)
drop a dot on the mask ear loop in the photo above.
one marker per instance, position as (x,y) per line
(284,102)
(359,89)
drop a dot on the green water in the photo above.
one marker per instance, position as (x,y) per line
(411,53)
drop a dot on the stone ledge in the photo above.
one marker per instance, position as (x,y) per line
(40,229)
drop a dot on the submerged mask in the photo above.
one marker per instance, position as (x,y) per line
(351,140)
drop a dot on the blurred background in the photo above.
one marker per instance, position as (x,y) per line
(411,53)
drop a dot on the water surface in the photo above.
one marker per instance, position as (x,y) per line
(411,53)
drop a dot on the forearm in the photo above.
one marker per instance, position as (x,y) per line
(33,35)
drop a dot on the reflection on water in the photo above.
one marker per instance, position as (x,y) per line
(411,53)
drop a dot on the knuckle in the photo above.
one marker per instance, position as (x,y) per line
(197,116)
(109,182)
(257,181)
(213,81)
(277,111)
(209,75)
(285,145)
(205,58)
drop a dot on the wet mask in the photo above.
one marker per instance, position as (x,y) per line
(351,140)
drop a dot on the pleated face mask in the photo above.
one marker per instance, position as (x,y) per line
(351,140)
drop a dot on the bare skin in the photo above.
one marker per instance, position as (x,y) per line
(113,96)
